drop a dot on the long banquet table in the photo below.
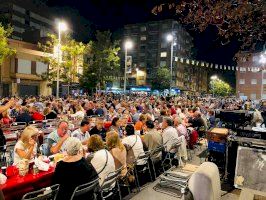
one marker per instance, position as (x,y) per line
(16,186)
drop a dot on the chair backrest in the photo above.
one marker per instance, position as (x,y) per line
(48,193)
(16,126)
(37,123)
(111,179)
(157,150)
(85,188)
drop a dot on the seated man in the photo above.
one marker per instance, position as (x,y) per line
(55,140)
(82,133)
(170,135)
(99,129)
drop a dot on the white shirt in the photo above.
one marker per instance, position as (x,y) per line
(80,135)
(135,141)
(20,145)
(98,162)
(170,136)
(80,114)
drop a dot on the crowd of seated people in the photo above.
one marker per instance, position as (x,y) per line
(93,150)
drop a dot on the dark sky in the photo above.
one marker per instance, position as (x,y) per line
(114,14)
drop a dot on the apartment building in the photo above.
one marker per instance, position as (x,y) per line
(251,77)
(151,50)
(30,21)
(20,74)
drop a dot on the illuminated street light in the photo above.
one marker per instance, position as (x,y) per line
(128,45)
(170,38)
(61,27)
(214,77)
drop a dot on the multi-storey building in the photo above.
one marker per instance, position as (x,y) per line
(30,21)
(20,74)
(251,77)
(151,50)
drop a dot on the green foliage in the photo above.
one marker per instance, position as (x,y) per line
(103,61)
(5,50)
(162,79)
(220,88)
(72,57)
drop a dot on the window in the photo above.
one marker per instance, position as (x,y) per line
(253,96)
(165,26)
(241,94)
(243,70)
(41,68)
(18,19)
(35,25)
(18,9)
(143,28)
(24,66)
(253,81)
(163,45)
(162,63)
(264,81)
(143,38)
(18,29)
(40,18)
(241,81)
(163,54)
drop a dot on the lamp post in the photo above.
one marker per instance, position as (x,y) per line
(61,27)
(128,45)
(263,62)
(214,77)
(170,38)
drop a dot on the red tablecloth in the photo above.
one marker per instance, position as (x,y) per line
(16,186)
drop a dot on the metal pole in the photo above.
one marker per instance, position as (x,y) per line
(171,65)
(58,64)
(125,76)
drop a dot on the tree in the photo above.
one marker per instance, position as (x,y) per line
(162,79)
(5,50)
(70,58)
(242,19)
(104,61)
(220,88)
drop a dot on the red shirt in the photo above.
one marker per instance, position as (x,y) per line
(37,116)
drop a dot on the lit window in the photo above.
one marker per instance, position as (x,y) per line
(241,81)
(253,81)
(163,54)
(264,81)
(143,38)
(243,70)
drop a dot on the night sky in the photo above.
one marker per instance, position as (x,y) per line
(114,14)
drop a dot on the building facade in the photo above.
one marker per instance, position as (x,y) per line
(151,50)
(21,73)
(30,21)
(251,78)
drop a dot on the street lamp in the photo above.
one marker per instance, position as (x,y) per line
(61,27)
(170,38)
(128,45)
(214,77)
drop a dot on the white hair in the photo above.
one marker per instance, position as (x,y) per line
(73,146)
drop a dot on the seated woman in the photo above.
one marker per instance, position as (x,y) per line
(49,113)
(118,151)
(102,160)
(133,142)
(26,146)
(73,170)
(79,114)
(116,126)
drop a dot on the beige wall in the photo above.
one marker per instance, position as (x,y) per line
(8,76)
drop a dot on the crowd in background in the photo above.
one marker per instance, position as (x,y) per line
(113,130)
